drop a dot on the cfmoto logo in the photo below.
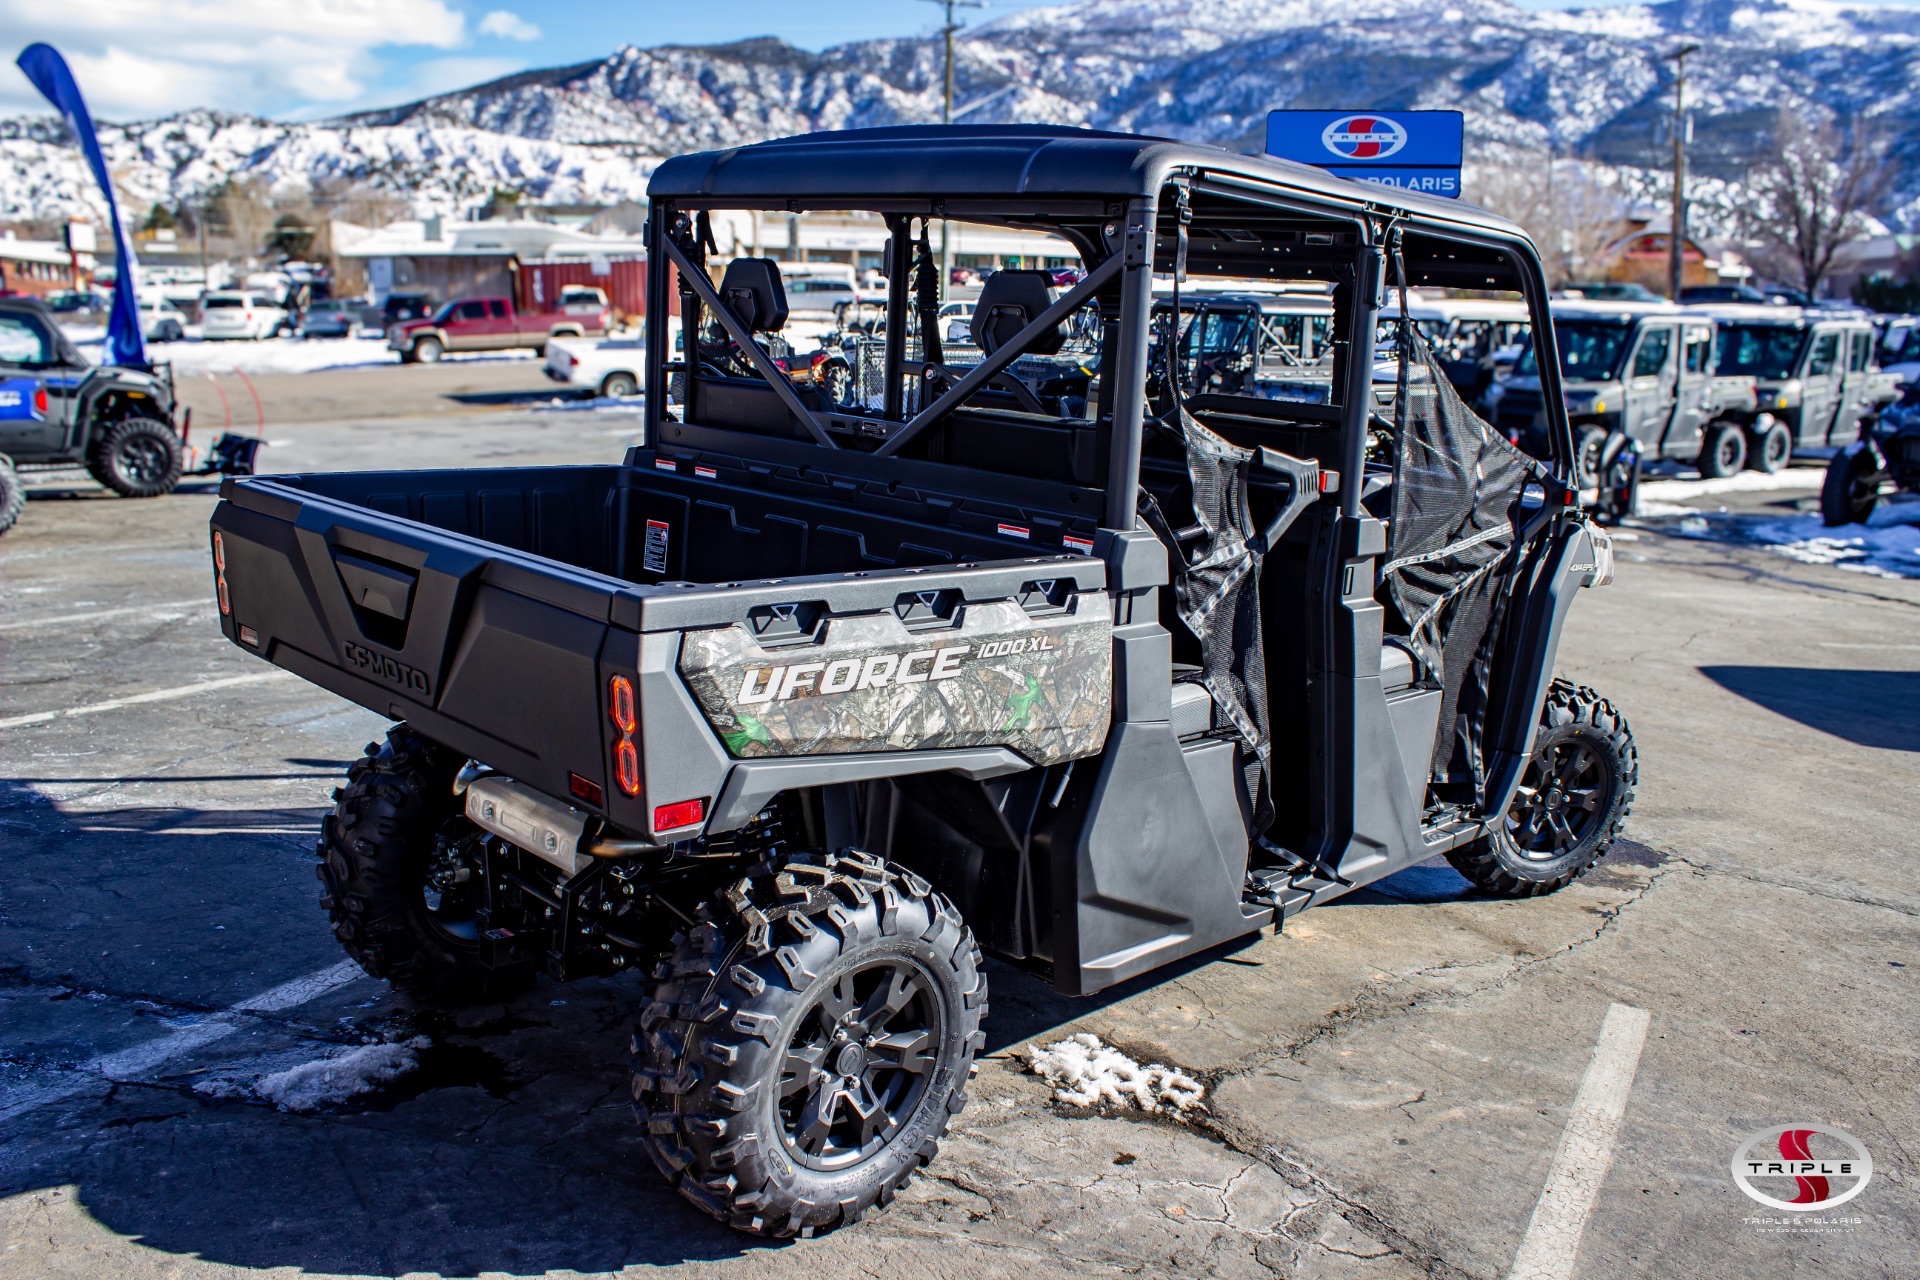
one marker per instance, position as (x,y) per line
(1822,1166)
(1364,137)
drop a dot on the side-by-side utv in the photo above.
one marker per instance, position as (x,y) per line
(801,708)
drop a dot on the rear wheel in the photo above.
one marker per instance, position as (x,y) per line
(837,382)
(615,385)
(1852,487)
(391,867)
(1770,448)
(135,457)
(1571,804)
(1724,450)
(13,497)
(1588,443)
(808,1043)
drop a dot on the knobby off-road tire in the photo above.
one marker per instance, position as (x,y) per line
(13,495)
(135,457)
(1851,489)
(376,853)
(815,992)
(1588,444)
(1770,451)
(1723,450)
(1573,800)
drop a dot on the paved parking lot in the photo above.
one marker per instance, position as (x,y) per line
(1389,1081)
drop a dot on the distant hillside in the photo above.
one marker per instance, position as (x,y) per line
(1590,81)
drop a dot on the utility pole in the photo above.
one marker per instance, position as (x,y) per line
(1677,237)
(947,29)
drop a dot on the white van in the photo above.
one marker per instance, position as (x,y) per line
(818,287)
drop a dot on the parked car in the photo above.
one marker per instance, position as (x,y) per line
(161,321)
(406,304)
(1899,353)
(818,287)
(239,313)
(586,302)
(329,318)
(484,324)
(1608,291)
(611,366)
(80,306)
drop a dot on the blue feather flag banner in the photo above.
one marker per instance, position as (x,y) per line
(50,74)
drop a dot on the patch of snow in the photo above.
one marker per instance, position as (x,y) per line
(1086,1072)
(1887,546)
(331,1079)
(1741,482)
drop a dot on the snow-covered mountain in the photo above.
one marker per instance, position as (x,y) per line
(1588,81)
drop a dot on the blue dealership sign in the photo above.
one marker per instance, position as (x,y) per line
(1410,150)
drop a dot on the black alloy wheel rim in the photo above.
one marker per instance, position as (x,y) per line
(859,1063)
(142,460)
(1560,801)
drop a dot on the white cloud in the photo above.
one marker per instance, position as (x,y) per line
(508,26)
(139,57)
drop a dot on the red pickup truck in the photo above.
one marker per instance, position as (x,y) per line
(487,324)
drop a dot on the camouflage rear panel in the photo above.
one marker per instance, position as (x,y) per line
(994,677)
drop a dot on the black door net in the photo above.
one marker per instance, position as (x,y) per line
(1459,489)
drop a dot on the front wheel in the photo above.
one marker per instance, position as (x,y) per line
(428,351)
(1724,450)
(1588,444)
(808,1042)
(1851,489)
(1570,806)
(136,457)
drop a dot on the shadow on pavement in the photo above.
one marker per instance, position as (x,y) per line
(1868,708)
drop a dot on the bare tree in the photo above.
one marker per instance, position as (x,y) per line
(1572,217)
(1812,192)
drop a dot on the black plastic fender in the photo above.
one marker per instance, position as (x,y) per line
(1571,560)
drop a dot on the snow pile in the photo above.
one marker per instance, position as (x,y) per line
(339,1076)
(1881,547)
(1662,497)
(1087,1073)
(290,355)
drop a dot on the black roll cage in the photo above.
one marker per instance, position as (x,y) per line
(1348,241)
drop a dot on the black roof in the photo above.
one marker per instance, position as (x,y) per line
(972,162)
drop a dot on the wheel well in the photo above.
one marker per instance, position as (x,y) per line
(115,404)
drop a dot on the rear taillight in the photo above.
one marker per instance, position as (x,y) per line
(39,399)
(820,358)
(220,574)
(626,757)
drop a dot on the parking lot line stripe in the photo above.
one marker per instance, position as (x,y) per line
(127,1064)
(99,614)
(1552,1242)
(158,695)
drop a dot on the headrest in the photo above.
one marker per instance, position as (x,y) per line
(1009,302)
(753,292)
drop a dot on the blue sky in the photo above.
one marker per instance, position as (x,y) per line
(312,58)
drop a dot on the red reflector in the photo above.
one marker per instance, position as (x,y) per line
(39,399)
(620,704)
(1570,497)
(671,817)
(820,358)
(626,766)
(219,552)
(584,790)
(220,589)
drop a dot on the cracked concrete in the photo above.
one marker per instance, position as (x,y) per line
(1387,1080)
